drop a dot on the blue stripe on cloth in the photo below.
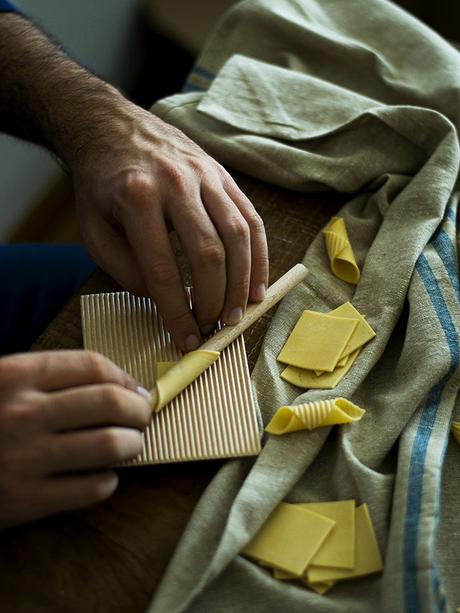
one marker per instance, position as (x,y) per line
(446,249)
(448,254)
(421,441)
(189,88)
(451,214)
(202,72)
(199,72)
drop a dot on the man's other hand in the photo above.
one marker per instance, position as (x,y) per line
(66,417)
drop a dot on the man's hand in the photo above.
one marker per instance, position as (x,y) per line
(136,178)
(139,179)
(66,417)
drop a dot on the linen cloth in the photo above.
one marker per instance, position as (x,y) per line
(360,97)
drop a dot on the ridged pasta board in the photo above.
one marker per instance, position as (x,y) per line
(215,417)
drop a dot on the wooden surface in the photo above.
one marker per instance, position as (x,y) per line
(110,558)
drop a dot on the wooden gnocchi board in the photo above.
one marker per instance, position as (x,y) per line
(215,417)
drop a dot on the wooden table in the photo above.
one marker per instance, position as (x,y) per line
(110,558)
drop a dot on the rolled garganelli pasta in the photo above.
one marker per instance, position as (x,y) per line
(340,252)
(181,375)
(316,414)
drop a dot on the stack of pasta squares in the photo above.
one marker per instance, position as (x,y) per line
(323,347)
(318,543)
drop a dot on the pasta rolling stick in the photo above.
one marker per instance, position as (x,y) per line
(189,367)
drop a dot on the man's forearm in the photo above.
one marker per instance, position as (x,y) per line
(45,96)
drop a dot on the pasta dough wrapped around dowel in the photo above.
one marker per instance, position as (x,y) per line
(192,365)
(182,374)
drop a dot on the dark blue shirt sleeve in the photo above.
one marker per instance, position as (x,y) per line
(7,6)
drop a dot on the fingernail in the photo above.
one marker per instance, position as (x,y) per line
(205,330)
(131,383)
(259,294)
(235,316)
(144,393)
(192,342)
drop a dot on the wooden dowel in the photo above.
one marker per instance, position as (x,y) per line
(254,311)
(228,334)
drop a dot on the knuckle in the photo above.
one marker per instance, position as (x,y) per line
(13,416)
(111,444)
(163,273)
(133,192)
(174,174)
(256,223)
(12,368)
(201,166)
(226,178)
(22,413)
(136,185)
(238,230)
(113,397)
(178,320)
(261,262)
(239,288)
(96,365)
(212,251)
(118,444)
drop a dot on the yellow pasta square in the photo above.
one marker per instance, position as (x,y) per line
(309,380)
(320,588)
(367,554)
(363,332)
(289,538)
(317,341)
(338,549)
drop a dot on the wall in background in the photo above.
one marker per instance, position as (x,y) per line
(187,22)
(100,34)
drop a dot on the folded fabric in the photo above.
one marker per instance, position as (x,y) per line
(316,414)
(361,98)
(340,252)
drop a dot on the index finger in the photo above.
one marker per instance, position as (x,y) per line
(57,370)
(147,233)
